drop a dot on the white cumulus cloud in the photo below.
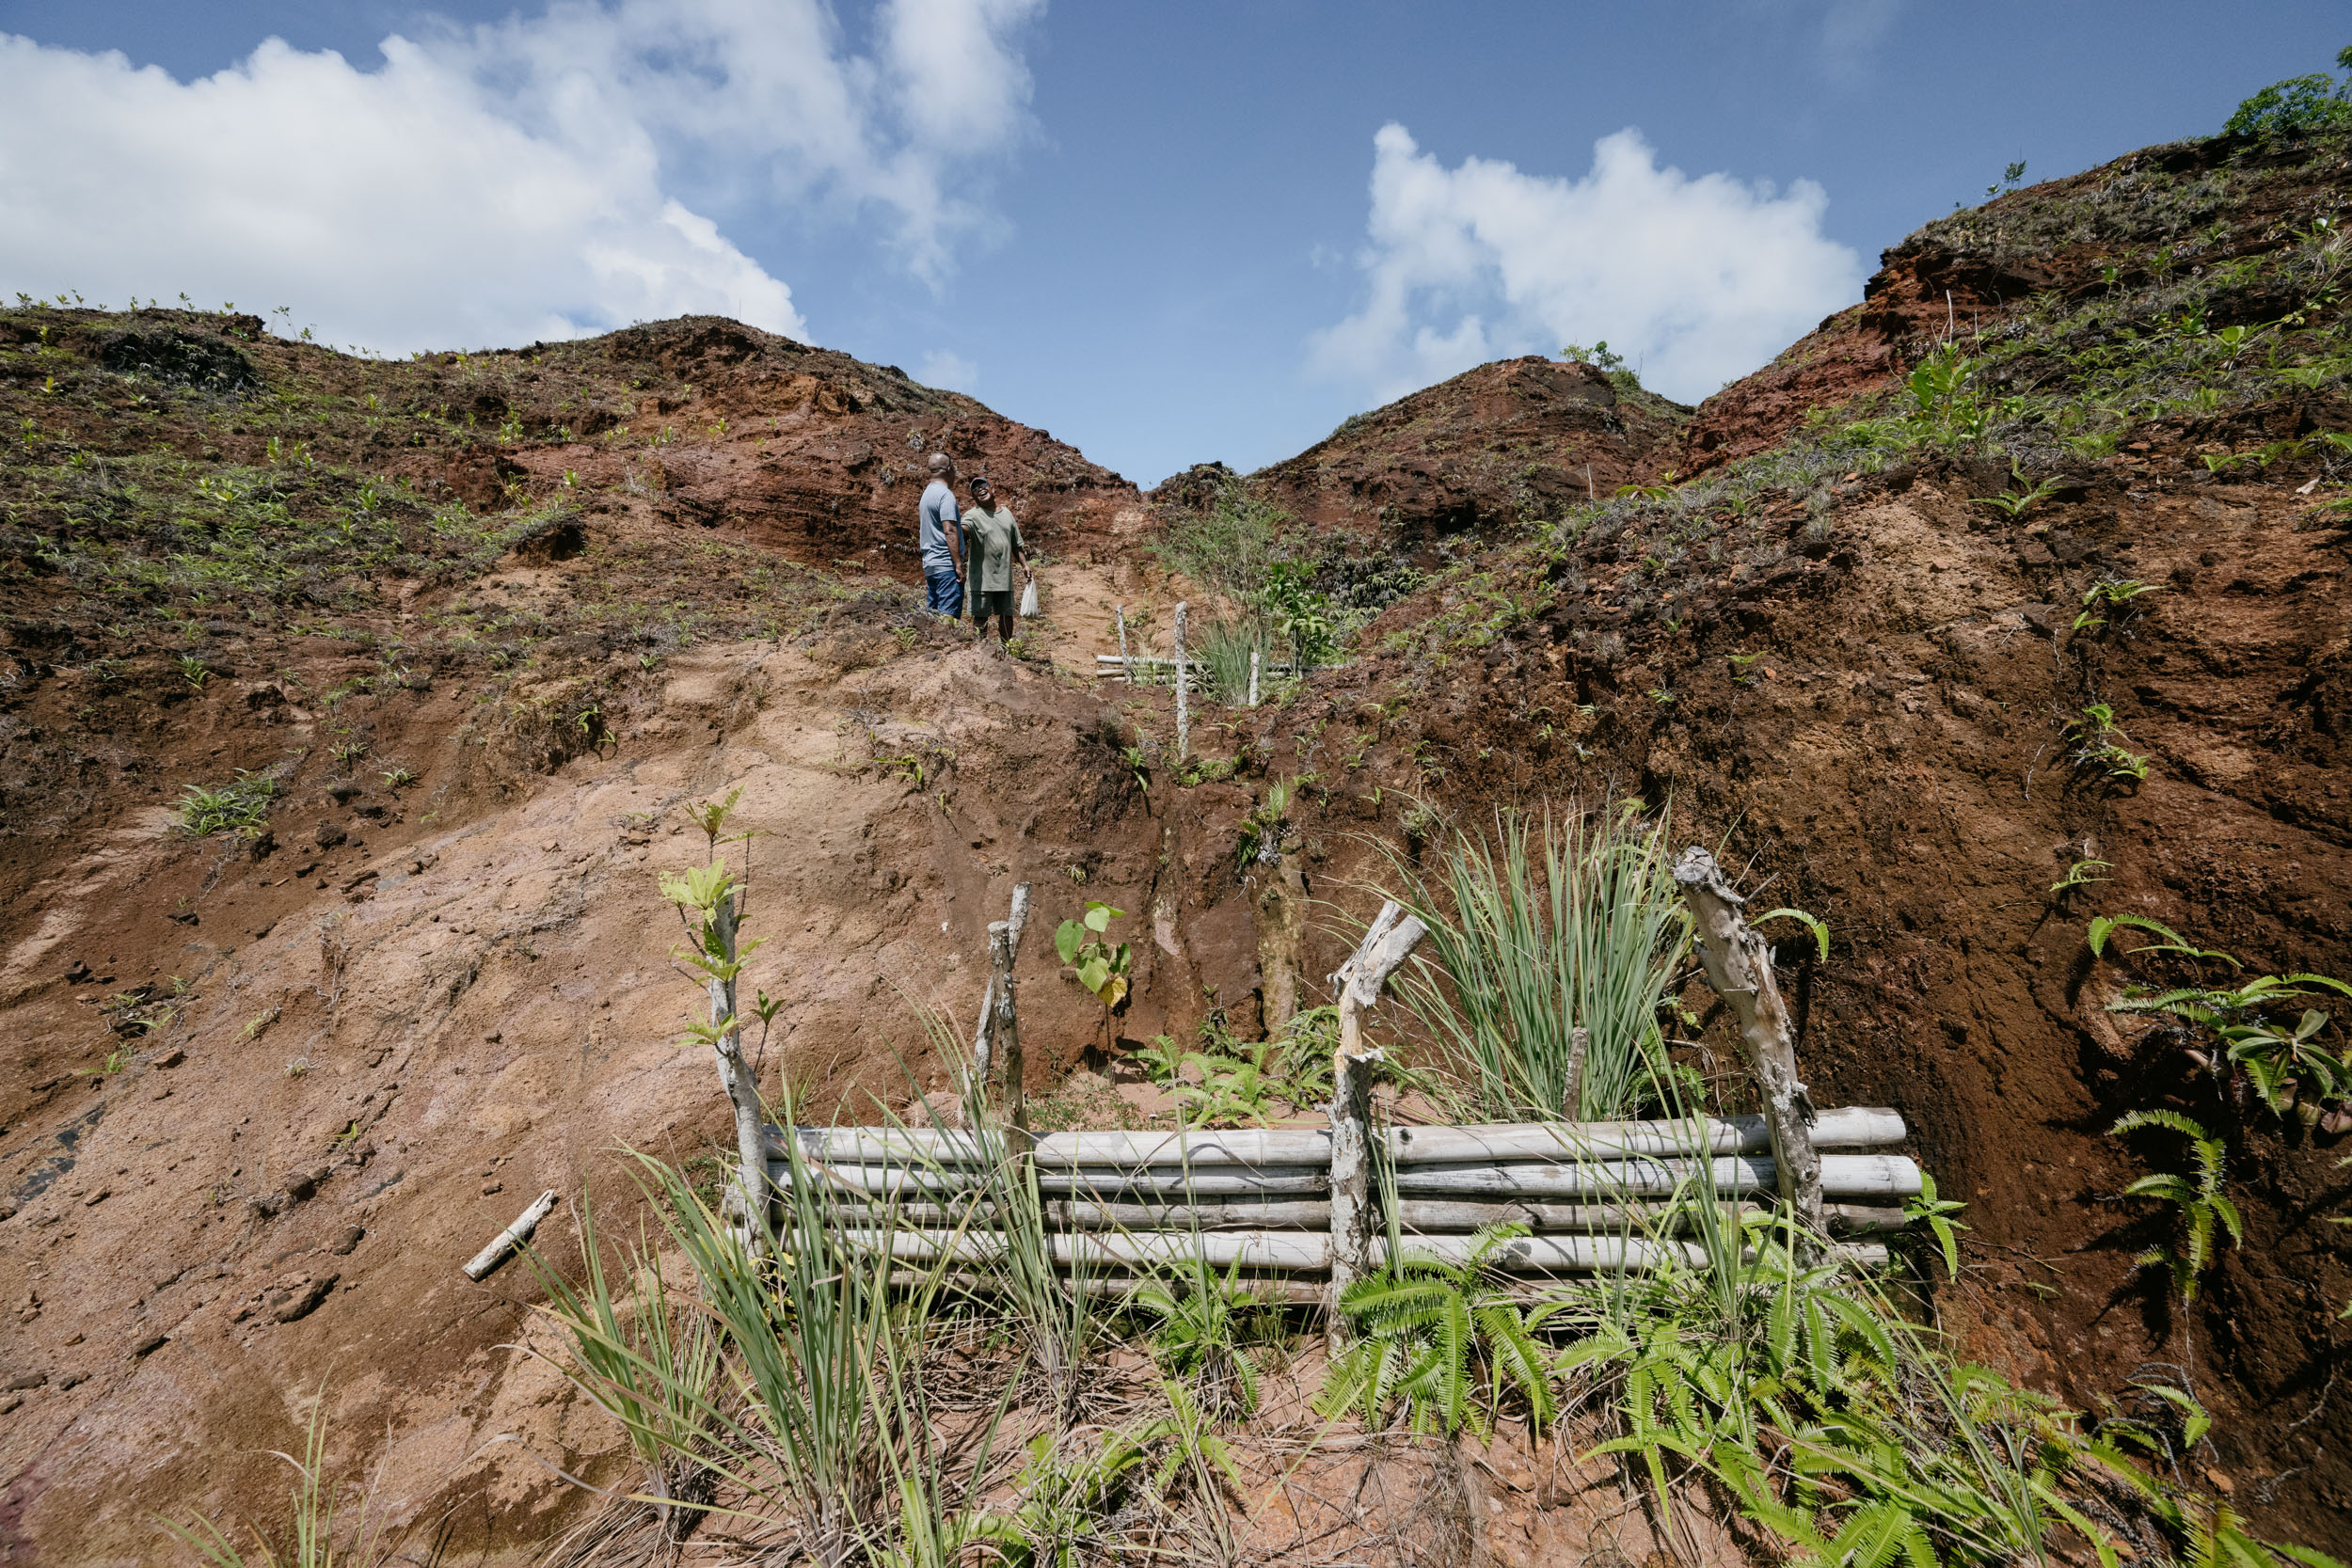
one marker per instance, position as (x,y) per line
(1699,278)
(952,371)
(511,181)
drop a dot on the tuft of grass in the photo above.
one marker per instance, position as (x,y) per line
(1544,932)
(240,806)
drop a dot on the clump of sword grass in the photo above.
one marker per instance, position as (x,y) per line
(1549,926)
(815,1423)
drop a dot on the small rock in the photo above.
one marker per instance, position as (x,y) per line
(79,975)
(331,835)
(9,1404)
(342,1245)
(302,1186)
(101,1195)
(173,1057)
(23,1381)
(489,1188)
(551,845)
(494,1037)
(148,1346)
(306,1300)
(264,845)
(8,1210)
(72,1380)
(268,1206)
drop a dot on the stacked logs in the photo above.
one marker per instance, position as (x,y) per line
(1595,1196)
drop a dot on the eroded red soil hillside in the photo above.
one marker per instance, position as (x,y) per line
(264,1091)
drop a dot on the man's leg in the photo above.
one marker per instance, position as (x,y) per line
(945,592)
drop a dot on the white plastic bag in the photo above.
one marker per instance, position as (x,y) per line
(1028,599)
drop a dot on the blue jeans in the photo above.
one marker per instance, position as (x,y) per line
(945,590)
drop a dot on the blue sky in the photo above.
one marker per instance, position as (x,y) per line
(1166,233)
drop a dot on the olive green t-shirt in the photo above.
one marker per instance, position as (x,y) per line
(988,540)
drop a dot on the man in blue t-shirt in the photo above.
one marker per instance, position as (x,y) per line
(939,532)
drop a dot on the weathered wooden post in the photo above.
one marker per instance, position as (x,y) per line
(1572,1093)
(1253,677)
(1119,614)
(735,1075)
(1390,940)
(1184,685)
(999,1013)
(1739,966)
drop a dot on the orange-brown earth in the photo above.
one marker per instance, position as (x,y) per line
(353,1048)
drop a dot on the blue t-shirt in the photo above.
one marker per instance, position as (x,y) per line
(939,515)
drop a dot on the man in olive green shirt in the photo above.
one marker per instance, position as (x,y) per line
(992,543)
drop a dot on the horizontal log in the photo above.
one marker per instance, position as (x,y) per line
(1847,1128)
(1151,1184)
(1297,1251)
(1842,1176)
(1417,1216)
(1567,1141)
(1228,1215)
(1437,1216)
(1289,1250)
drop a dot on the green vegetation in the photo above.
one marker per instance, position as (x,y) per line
(2098,750)
(1446,1342)
(2203,1209)
(1281,587)
(1572,926)
(240,807)
(2255,1027)
(2298,105)
(1098,964)
(1230,1083)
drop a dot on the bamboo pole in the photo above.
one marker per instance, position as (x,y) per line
(1253,677)
(1184,685)
(1294,1251)
(1119,614)
(1390,939)
(1841,1128)
(1739,966)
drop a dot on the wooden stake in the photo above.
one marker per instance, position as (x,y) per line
(1253,677)
(1119,614)
(502,1245)
(1003,946)
(1183,686)
(1386,946)
(992,1000)
(735,1076)
(1572,1098)
(1739,966)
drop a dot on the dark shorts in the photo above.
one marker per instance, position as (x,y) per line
(944,590)
(986,603)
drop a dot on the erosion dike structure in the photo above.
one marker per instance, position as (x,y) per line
(493,845)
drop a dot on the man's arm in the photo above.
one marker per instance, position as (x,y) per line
(951,527)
